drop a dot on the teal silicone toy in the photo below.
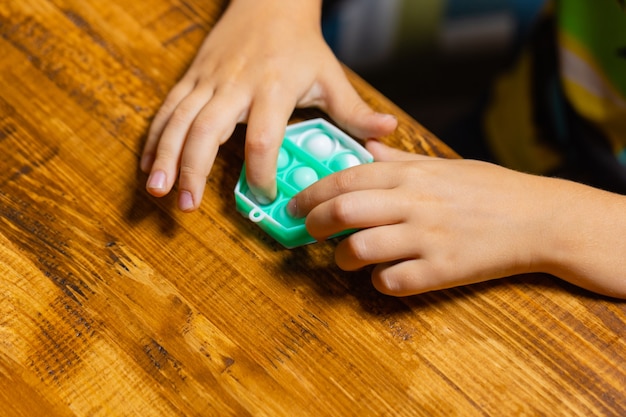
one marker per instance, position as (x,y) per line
(310,151)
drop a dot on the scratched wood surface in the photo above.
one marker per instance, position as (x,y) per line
(114,303)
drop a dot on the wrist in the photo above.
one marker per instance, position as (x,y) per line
(583,241)
(309,9)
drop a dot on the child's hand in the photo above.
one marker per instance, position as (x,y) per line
(262,59)
(429,223)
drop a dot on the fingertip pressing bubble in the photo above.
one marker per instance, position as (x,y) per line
(310,151)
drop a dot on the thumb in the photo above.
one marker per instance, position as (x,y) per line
(382,153)
(345,106)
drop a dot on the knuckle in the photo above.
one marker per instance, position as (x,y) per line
(170,103)
(409,170)
(165,154)
(200,130)
(168,107)
(341,210)
(190,171)
(180,116)
(358,248)
(390,281)
(261,145)
(273,86)
(342,180)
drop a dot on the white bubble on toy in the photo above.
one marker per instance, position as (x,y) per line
(304,176)
(283,159)
(344,161)
(319,145)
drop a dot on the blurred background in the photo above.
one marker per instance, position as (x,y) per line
(433,58)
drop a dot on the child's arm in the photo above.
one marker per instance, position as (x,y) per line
(432,223)
(260,61)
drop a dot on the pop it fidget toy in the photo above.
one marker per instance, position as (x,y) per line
(311,150)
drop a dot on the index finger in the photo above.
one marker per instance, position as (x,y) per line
(264,136)
(361,177)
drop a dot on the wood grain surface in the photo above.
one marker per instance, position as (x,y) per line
(115,303)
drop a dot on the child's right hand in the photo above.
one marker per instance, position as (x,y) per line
(262,60)
(429,223)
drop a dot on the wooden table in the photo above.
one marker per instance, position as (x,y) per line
(114,303)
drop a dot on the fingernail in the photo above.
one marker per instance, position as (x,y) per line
(262,200)
(185,201)
(262,197)
(387,116)
(292,208)
(157,180)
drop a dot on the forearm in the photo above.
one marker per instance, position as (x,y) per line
(585,240)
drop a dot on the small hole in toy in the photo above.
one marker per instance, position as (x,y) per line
(256,215)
